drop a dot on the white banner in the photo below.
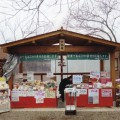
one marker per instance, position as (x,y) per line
(93,96)
(77,79)
(106,92)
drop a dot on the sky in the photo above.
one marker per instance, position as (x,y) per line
(17,24)
(51,17)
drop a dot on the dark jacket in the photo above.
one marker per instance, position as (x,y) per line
(62,86)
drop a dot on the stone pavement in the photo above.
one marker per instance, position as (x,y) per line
(59,114)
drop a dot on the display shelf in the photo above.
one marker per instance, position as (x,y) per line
(4,100)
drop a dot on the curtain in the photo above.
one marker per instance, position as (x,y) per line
(9,65)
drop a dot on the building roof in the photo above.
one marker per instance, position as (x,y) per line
(51,38)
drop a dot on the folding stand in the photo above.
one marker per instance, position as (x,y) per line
(70,101)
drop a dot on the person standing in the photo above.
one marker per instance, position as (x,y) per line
(62,85)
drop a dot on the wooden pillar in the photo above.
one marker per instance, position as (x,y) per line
(21,67)
(101,65)
(10,82)
(41,77)
(61,66)
(112,71)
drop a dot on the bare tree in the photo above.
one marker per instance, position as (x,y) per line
(98,18)
(29,13)
(32,16)
(94,17)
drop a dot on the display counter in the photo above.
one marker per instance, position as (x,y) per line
(92,98)
(35,99)
(30,102)
(95,97)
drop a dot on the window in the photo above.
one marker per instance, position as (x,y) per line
(41,66)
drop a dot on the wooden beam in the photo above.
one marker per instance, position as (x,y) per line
(90,38)
(55,49)
(70,73)
(57,34)
(112,71)
(30,39)
(5,50)
(33,41)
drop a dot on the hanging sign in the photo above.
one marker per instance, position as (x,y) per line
(32,57)
(93,96)
(70,56)
(106,92)
(77,79)
(95,74)
(88,56)
(62,45)
(30,76)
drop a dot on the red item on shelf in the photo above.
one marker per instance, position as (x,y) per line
(105,80)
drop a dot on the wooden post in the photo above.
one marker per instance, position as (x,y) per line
(101,65)
(10,82)
(112,71)
(61,66)
(20,67)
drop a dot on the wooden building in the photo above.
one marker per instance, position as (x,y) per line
(63,42)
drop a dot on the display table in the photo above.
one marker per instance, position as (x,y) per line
(105,98)
(30,102)
(36,100)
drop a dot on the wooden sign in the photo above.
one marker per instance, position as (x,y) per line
(62,45)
